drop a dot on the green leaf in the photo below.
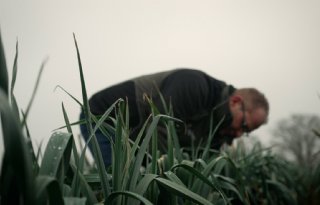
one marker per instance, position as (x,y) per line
(179,190)
(13,101)
(135,166)
(34,92)
(174,178)
(48,190)
(316,132)
(229,184)
(144,183)
(75,185)
(143,186)
(96,153)
(34,159)
(212,133)
(118,157)
(113,195)
(212,183)
(135,146)
(75,99)
(57,155)
(16,174)
(4,85)
(14,70)
(85,188)
(282,192)
(74,201)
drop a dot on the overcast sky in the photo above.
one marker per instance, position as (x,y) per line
(272,45)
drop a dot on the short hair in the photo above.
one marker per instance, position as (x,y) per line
(254,98)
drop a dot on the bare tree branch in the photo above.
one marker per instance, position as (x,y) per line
(297,137)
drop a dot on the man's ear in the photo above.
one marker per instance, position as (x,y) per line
(234,99)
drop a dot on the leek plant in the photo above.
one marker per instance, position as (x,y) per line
(139,173)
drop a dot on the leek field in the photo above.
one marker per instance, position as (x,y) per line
(139,174)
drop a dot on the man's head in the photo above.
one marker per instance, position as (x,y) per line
(249,110)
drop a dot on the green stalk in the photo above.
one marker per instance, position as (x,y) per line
(135,167)
(118,157)
(179,190)
(34,159)
(12,98)
(154,152)
(114,195)
(75,181)
(4,85)
(16,174)
(97,152)
(212,132)
(34,92)
(170,149)
(48,190)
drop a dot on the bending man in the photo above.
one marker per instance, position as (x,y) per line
(193,95)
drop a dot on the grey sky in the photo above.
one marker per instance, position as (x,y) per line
(272,45)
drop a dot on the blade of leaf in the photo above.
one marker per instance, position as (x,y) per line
(118,156)
(48,190)
(34,91)
(86,108)
(13,101)
(74,189)
(135,166)
(182,191)
(75,99)
(34,159)
(57,155)
(14,70)
(75,201)
(84,186)
(113,195)
(17,156)
(201,177)
(4,85)
(212,133)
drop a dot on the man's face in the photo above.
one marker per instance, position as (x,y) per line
(244,119)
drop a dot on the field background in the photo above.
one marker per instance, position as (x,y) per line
(271,45)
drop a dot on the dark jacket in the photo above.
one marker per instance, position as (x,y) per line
(192,93)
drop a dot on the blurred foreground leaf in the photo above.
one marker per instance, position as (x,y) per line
(57,155)
(16,174)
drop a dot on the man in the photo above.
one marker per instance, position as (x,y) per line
(195,97)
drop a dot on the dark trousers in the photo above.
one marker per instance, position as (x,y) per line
(103,141)
(99,103)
